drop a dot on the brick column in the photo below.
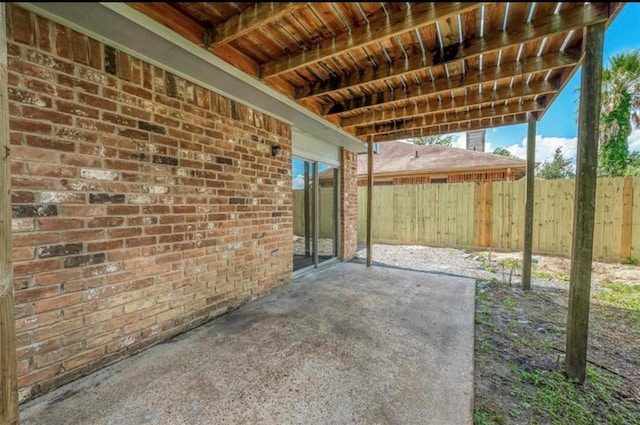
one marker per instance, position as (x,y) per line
(349,205)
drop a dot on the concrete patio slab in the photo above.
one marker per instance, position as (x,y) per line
(344,345)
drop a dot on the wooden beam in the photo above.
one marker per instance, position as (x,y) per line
(369,202)
(514,69)
(438,119)
(250,19)
(528,204)
(451,128)
(539,88)
(193,31)
(419,15)
(8,371)
(584,207)
(573,18)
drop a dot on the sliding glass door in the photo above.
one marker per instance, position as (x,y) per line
(314,213)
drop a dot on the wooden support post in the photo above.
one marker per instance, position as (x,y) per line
(8,372)
(369,201)
(528,204)
(627,218)
(584,208)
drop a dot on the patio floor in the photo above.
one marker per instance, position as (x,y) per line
(346,344)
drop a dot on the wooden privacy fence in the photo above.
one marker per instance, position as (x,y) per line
(325,206)
(491,215)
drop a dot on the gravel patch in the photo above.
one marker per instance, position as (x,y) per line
(548,272)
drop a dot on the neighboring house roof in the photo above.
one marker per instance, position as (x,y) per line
(395,157)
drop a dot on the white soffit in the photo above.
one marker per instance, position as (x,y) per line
(123,27)
(308,147)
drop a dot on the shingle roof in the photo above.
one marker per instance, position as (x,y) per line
(401,156)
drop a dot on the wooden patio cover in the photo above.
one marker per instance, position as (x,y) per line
(387,71)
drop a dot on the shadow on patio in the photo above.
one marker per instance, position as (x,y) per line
(344,345)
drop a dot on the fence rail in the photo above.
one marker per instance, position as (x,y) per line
(491,215)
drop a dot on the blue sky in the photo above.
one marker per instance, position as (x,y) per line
(558,127)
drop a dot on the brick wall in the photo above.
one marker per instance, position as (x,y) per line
(349,207)
(143,204)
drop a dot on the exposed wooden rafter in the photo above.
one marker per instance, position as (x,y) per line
(509,94)
(451,128)
(419,15)
(440,118)
(250,19)
(193,31)
(534,30)
(508,70)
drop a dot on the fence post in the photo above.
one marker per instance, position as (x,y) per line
(627,218)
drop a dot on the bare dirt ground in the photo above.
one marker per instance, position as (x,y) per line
(520,336)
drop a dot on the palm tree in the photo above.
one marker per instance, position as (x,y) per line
(620,111)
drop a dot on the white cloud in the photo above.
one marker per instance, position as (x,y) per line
(634,140)
(546,148)
(298,181)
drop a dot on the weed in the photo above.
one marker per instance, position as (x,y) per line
(486,417)
(560,400)
(563,277)
(510,264)
(541,274)
(631,261)
(510,303)
(485,347)
(491,268)
(619,295)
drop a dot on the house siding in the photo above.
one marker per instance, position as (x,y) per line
(143,204)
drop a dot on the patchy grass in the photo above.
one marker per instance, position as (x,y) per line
(541,274)
(520,339)
(619,295)
(631,261)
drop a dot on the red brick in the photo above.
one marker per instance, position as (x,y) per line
(59,224)
(134,242)
(21,27)
(105,246)
(105,222)
(37,321)
(60,276)
(38,375)
(57,303)
(84,358)
(77,85)
(97,102)
(35,267)
(80,47)
(82,309)
(50,143)
(46,115)
(50,170)
(76,109)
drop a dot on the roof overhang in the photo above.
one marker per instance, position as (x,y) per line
(133,32)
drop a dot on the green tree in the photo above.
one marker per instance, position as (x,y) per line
(633,169)
(558,168)
(502,152)
(433,140)
(620,112)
